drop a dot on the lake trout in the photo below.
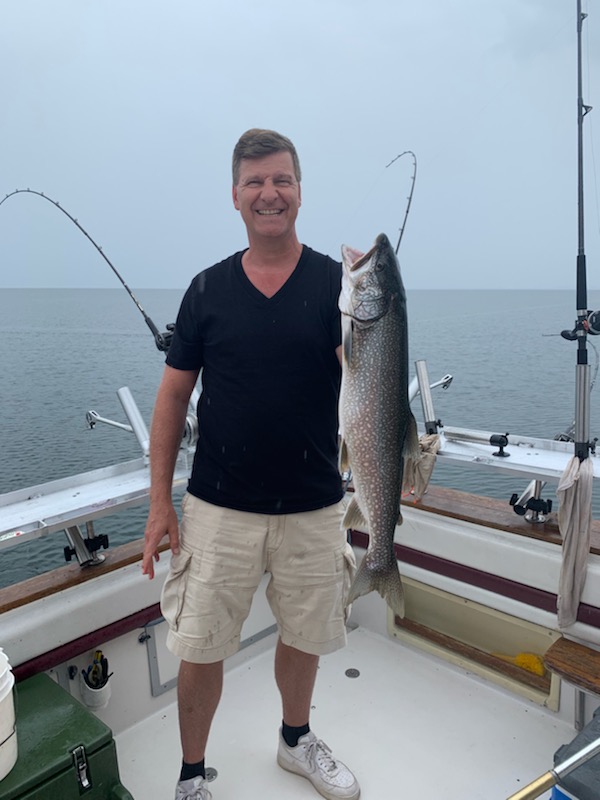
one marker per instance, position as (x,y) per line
(378,430)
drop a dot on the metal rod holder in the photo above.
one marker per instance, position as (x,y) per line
(82,553)
(135,418)
(431,424)
(582,410)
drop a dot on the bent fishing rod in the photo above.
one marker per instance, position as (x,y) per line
(410,194)
(162,340)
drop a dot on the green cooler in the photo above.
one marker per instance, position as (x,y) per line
(64,751)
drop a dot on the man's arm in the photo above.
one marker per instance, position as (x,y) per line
(168,423)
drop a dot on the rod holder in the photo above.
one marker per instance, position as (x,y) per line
(582,411)
(135,418)
(530,504)
(85,550)
(498,440)
(431,424)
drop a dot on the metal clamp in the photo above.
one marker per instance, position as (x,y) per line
(81,767)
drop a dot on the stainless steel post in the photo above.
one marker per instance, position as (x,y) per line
(431,424)
(135,418)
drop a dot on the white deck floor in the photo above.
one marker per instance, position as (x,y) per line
(409,726)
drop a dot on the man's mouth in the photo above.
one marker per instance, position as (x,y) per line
(269,212)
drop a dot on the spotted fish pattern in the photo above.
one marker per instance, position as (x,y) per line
(378,430)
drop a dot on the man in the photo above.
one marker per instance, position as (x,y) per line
(265,493)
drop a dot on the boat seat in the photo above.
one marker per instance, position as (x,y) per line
(579,665)
(576,663)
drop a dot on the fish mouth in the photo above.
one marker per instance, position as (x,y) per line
(360,259)
(363,259)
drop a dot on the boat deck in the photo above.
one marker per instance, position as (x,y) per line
(409,725)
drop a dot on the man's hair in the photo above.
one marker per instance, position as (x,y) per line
(257,143)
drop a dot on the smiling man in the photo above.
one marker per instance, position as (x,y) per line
(263,328)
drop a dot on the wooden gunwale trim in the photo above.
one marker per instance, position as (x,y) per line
(66,577)
(493,513)
(451,503)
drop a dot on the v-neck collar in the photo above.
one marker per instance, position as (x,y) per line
(255,293)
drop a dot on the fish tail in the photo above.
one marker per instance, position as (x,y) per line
(385,581)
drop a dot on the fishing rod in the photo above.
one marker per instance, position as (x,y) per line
(587,322)
(162,340)
(412,188)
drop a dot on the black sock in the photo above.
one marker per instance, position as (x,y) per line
(189,771)
(291,734)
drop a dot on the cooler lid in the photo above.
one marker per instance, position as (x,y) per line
(584,781)
(50,725)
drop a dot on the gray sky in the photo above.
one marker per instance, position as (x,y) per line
(126,112)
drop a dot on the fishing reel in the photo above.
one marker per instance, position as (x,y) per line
(593,323)
(589,324)
(163,340)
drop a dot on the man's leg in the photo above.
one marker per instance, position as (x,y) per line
(311,571)
(295,673)
(198,693)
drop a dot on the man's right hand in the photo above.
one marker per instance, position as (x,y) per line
(162,521)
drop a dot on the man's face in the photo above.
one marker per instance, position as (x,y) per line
(268,195)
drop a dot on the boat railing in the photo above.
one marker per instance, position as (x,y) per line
(69,504)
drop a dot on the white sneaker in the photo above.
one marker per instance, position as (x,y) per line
(194,789)
(312,759)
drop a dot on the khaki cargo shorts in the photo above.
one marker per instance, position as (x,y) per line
(224,554)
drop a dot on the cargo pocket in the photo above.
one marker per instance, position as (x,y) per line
(349,573)
(174,589)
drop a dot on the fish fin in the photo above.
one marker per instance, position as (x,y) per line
(346,339)
(388,583)
(343,458)
(354,518)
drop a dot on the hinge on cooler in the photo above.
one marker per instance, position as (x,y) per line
(81,766)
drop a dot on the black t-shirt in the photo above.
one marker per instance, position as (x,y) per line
(270,382)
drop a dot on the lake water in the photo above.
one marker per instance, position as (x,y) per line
(66,351)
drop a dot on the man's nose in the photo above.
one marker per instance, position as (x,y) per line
(269,191)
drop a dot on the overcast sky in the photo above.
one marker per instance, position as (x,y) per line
(126,112)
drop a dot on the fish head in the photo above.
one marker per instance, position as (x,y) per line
(371,282)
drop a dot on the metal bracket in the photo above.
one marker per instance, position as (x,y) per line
(157,687)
